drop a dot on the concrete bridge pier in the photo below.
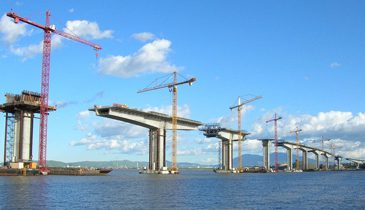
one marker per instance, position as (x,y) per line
(317,158)
(289,157)
(326,162)
(304,159)
(266,153)
(227,157)
(157,149)
(338,159)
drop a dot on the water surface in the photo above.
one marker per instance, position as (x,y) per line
(126,189)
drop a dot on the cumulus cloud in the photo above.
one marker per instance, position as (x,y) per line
(345,129)
(252,146)
(110,128)
(34,49)
(84,114)
(331,124)
(144,36)
(11,31)
(231,121)
(86,29)
(152,57)
(335,65)
(119,143)
(182,111)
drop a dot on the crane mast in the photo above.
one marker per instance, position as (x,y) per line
(239,123)
(46,61)
(275,120)
(172,86)
(296,131)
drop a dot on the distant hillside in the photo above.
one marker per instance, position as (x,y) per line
(248,160)
(257,160)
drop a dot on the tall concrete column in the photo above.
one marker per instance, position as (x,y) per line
(338,159)
(304,159)
(317,159)
(289,158)
(227,157)
(157,152)
(230,154)
(326,162)
(224,155)
(266,153)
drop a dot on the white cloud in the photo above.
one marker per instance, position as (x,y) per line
(231,121)
(71,10)
(110,128)
(84,114)
(11,31)
(152,57)
(332,124)
(119,143)
(34,49)
(144,36)
(252,146)
(345,129)
(182,111)
(189,152)
(86,29)
(335,65)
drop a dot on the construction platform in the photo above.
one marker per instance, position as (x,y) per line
(164,170)
(55,171)
(245,170)
(78,171)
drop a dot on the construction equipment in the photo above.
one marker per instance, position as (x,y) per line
(48,30)
(239,122)
(172,86)
(275,120)
(296,131)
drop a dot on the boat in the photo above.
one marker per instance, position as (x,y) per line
(105,170)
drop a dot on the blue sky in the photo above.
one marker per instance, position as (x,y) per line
(306,58)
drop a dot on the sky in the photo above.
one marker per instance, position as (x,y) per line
(306,58)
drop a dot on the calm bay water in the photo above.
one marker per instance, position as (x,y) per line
(126,189)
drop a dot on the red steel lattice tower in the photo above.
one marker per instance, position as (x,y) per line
(46,60)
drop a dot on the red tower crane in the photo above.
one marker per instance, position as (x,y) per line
(275,119)
(48,30)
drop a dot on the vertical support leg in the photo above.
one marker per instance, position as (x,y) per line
(304,160)
(161,149)
(317,161)
(224,155)
(230,154)
(21,136)
(157,149)
(31,136)
(289,158)
(150,152)
(266,154)
(5,140)
(338,163)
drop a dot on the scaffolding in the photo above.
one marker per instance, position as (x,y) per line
(9,138)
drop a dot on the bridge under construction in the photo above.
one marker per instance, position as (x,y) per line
(157,123)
